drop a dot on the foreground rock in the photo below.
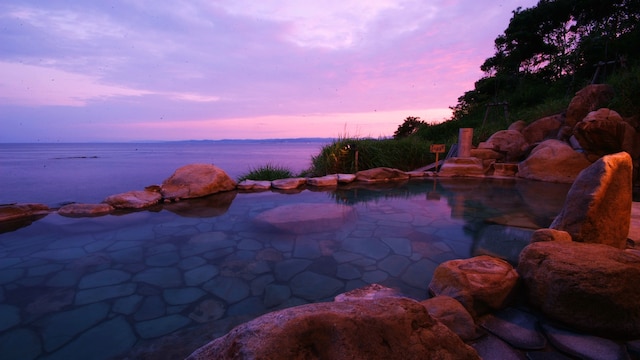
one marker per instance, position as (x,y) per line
(196,180)
(598,205)
(389,328)
(591,287)
(480,284)
(81,210)
(134,199)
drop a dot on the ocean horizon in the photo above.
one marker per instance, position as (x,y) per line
(87,172)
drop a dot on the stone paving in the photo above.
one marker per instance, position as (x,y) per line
(120,286)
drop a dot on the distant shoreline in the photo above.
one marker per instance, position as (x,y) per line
(277,140)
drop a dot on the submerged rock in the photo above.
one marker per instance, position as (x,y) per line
(307,218)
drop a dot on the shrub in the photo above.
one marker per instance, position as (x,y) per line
(268,172)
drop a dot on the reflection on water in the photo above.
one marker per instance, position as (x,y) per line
(169,280)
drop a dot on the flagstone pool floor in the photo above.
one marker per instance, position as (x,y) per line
(155,282)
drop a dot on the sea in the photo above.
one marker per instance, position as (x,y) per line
(58,173)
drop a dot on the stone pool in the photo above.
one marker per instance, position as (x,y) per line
(162,282)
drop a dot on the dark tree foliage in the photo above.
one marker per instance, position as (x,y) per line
(554,48)
(409,127)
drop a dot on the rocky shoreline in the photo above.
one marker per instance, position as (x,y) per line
(573,293)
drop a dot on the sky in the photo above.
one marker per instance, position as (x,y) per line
(142,70)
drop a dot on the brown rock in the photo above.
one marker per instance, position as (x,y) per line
(480,284)
(591,287)
(307,218)
(604,132)
(505,169)
(458,166)
(586,100)
(288,184)
(511,143)
(453,315)
(254,185)
(369,292)
(553,161)
(133,199)
(346,178)
(196,180)
(80,210)
(517,126)
(543,129)
(598,206)
(328,180)
(486,154)
(381,174)
(390,328)
(18,211)
(550,235)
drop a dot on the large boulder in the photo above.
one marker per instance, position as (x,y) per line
(388,328)
(598,206)
(553,161)
(196,180)
(511,143)
(543,129)
(591,287)
(586,100)
(604,132)
(138,199)
(480,284)
(381,174)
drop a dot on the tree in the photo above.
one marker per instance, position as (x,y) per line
(409,127)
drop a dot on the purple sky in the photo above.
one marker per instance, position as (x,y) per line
(73,71)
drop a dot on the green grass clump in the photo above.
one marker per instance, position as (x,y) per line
(268,172)
(349,155)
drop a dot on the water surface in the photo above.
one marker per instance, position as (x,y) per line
(164,281)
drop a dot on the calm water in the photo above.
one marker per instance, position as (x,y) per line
(59,173)
(157,284)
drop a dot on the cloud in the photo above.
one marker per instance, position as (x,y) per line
(227,61)
(30,85)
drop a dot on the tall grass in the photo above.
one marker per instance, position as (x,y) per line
(349,155)
(268,172)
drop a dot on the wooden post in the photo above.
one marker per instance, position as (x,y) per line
(437,149)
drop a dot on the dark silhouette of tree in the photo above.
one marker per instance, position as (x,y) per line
(409,127)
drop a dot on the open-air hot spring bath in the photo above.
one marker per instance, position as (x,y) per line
(169,279)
